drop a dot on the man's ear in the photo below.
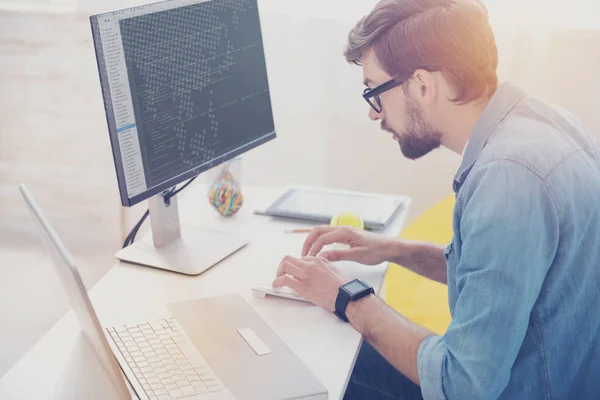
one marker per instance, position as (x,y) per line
(425,86)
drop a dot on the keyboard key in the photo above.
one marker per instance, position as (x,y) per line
(145,370)
(189,372)
(200,369)
(172,367)
(164,397)
(150,374)
(157,364)
(155,386)
(143,363)
(153,379)
(194,378)
(160,391)
(188,391)
(164,375)
(210,382)
(206,377)
(184,364)
(172,386)
(215,388)
(182,383)
(144,326)
(176,394)
(160,370)
(120,328)
(199,388)
(163,323)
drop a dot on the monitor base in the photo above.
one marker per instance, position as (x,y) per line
(197,250)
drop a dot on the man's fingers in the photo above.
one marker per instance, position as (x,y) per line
(286,280)
(288,268)
(342,255)
(336,236)
(335,255)
(314,235)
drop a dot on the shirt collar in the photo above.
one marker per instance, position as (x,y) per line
(504,99)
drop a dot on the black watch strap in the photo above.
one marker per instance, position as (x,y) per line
(344,297)
(341,302)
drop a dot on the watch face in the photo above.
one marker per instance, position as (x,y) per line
(354,287)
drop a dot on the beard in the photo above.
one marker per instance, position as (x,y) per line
(419,137)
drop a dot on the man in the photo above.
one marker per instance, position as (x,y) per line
(523,267)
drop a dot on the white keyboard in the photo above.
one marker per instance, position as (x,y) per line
(264,284)
(164,361)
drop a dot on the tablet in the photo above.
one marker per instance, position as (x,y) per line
(377,211)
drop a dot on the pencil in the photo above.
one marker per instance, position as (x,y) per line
(298,230)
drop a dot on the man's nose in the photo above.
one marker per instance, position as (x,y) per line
(374,115)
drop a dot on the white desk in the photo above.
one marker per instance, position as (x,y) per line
(63,366)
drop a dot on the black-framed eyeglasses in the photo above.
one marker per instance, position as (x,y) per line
(374,93)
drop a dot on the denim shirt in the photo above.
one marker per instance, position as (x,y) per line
(524,261)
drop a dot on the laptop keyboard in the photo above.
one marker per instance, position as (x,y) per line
(164,361)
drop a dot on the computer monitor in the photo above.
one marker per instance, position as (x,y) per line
(185,89)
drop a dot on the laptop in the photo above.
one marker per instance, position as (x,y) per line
(214,348)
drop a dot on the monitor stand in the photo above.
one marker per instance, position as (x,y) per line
(186,250)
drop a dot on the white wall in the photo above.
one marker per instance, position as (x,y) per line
(53,6)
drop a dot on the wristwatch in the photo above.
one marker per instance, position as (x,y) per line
(351,291)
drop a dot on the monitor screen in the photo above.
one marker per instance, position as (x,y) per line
(185,88)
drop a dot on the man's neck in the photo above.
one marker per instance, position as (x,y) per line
(459,122)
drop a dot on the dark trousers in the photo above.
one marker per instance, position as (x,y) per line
(373,378)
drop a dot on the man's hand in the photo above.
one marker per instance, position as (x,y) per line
(313,278)
(365,247)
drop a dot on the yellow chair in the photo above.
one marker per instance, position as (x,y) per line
(421,300)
